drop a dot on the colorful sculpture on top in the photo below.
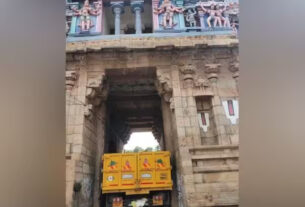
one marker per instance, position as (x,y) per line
(218,12)
(85,21)
(168,9)
(190,17)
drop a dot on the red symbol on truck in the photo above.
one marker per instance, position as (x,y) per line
(146,163)
(127,166)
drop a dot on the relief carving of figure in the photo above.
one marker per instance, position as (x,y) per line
(212,14)
(84,13)
(168,10)
(219,16)
(223,16)
(190,17)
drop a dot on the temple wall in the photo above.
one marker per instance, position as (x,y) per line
(190,80)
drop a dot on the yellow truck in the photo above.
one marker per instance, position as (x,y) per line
(137,179)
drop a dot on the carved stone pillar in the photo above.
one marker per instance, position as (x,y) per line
(71,78)
(212,71)
(155,4)
(117,9)
(137,9)
(201,16)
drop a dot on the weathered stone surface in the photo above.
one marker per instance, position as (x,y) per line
(179,79)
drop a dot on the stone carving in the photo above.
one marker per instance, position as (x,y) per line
(212,70)
(190,17)
(168,10)
(84,13)
(88,110)
(188,70)
(71,78)
(164,87)
(212,13)
(201,83)
(219,13)
(96,89)
(234,68)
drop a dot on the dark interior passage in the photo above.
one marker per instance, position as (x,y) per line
(133,105)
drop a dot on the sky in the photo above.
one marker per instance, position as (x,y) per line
(141,139)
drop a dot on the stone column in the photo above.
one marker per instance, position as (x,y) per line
(201,16)
(180,15)
(137,9)
(117,9)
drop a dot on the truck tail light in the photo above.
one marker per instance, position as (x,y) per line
(117,202)
(157,200)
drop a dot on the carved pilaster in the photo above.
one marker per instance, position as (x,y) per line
(71,78)
(81,59)
(188,71)
(234,68)
(212,70)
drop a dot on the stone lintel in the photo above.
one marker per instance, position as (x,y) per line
(151,41)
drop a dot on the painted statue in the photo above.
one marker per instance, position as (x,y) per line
(190,17)
(212,14)
(84,13)
(223,16)
(219,16)
(168,10)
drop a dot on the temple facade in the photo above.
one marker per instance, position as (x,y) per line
(166,66)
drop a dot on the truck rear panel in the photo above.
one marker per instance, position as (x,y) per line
(136,173)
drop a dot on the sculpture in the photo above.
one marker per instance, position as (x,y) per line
(212,14)
(190,17)
(84,13)
(224,18)
(168,10)
(216,14)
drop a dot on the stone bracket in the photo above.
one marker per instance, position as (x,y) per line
(97,89)
(164,87)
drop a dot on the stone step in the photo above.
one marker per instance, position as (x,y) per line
(220,168)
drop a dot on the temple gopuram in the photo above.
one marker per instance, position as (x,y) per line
(169,67)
